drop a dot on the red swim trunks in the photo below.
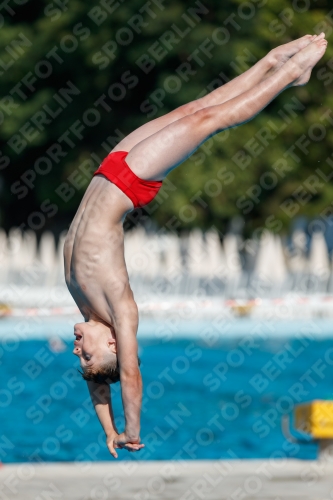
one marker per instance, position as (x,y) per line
(115,168)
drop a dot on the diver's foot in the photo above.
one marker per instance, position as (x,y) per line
(280,55)
(302,63)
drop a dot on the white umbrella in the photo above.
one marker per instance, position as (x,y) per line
(216,263)
(152,251)
(196,256)
(29,248)
(60,270)
(16,260)
(3,250)
(264,261)
(47,251)
(232,257)
(297,257)
(137,260)
(270,264)
(48,258)
(318,263)
(279,267)
(4,257)
(172,262)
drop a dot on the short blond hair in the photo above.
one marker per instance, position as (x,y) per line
(108,373)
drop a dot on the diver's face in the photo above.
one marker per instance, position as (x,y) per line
(93,343)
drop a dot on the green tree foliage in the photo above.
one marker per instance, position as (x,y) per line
(76,75)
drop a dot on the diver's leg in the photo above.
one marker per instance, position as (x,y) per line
(262,69)
(154,157)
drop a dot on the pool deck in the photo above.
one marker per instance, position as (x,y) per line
(182,480)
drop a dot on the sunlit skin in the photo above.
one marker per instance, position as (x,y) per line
(95,268)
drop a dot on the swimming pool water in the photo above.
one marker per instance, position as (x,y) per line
(203,399)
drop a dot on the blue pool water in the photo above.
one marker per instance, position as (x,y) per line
(205,397)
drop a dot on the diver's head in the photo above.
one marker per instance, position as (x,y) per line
(96,346)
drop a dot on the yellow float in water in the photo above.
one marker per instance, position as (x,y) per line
(315,418)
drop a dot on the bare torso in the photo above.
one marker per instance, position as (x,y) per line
(95,268)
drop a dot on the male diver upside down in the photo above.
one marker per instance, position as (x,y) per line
(130,177)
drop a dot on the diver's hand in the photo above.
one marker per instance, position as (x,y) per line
(127,442)
(110,438)
(121,441)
